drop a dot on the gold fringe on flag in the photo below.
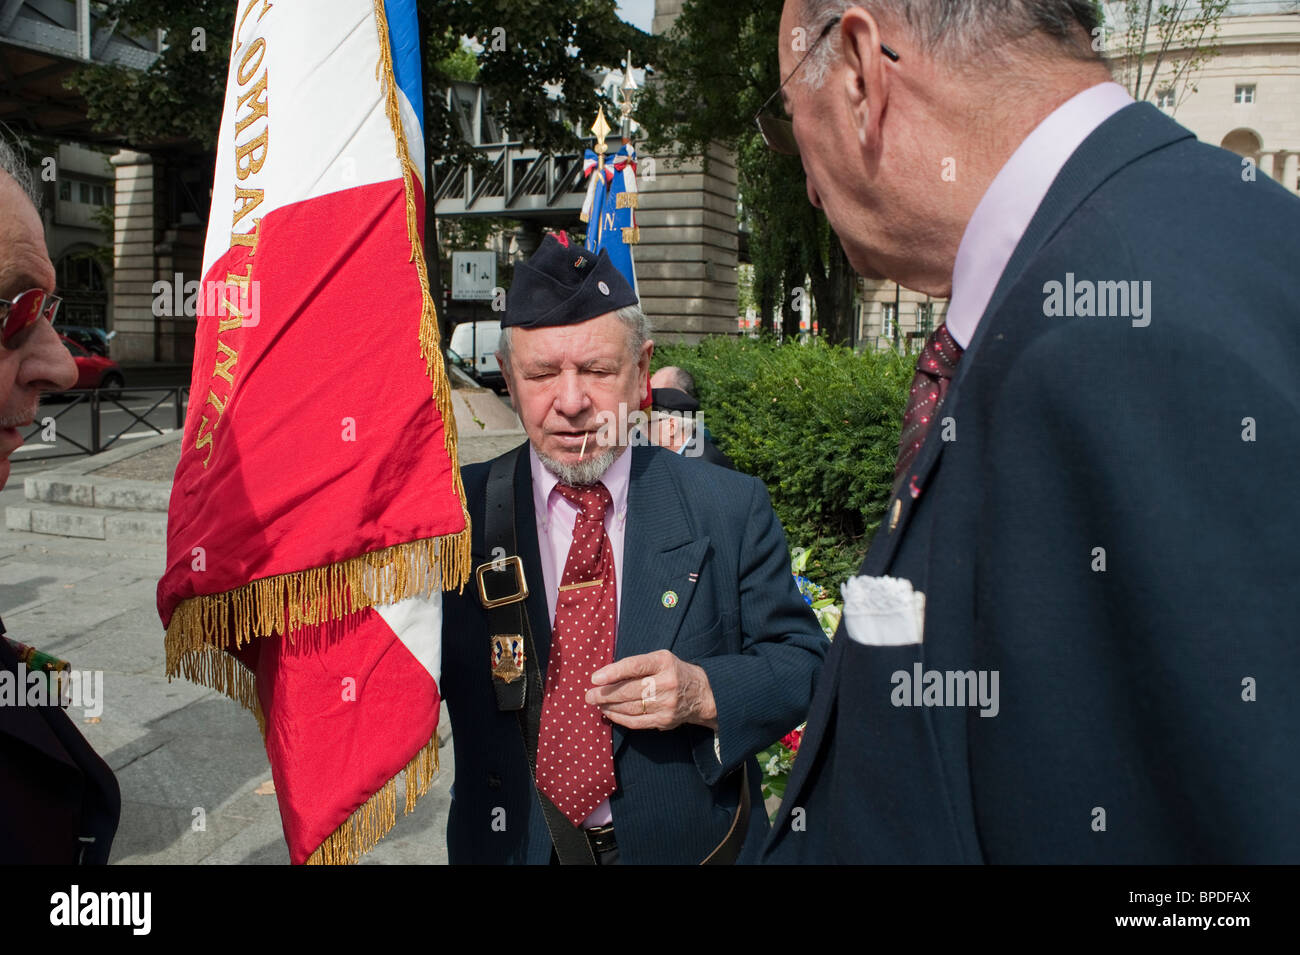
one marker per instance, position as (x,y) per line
(430,346)
(285,603)
(202,629)
(628,200)
(373,819)
(632,235)
(225,674)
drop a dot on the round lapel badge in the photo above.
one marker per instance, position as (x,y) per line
(670,599)
(604,289)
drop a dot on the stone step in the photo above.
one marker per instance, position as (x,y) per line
(96,523)
(89,491)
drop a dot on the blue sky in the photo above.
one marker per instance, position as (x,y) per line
(639,13)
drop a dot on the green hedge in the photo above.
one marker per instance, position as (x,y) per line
(817,424)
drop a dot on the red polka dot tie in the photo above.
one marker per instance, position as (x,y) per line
(934,370)
(575,748)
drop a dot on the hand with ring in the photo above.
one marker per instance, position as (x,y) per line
(679,690)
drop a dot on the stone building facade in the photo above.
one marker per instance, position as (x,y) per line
(686,262)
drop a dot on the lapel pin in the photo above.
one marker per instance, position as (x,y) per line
(911,486)
(694,578)
(894,513)
(669,599)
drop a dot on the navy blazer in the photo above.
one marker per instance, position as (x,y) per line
(742,620)
(1110,526)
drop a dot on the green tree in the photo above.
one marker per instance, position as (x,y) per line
(523,46)
(719,64)
(178,100)
(516,49)
(1164,44)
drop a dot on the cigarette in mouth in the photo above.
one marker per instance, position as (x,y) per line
(583,453)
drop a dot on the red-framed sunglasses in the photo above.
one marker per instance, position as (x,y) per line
(25,310)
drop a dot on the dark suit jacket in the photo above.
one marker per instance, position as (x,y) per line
(59,802)
(708,452)
(1125,693)
(743,621)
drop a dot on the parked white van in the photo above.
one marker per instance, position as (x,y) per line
(473,347)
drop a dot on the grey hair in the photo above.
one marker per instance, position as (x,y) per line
(12,162)
(638,333)
(679,378)
(958,29)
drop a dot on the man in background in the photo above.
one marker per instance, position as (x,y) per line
(676,416)
(59,802)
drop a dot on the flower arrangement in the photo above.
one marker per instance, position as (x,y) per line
(778,759)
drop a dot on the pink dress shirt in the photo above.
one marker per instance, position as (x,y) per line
(1009,204)
(555,517)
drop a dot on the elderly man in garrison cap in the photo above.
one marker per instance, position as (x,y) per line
(633,635)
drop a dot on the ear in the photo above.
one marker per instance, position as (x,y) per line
(505,373)
(643,372)
(866,78)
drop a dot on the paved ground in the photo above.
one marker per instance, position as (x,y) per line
(177,748)
(156,464)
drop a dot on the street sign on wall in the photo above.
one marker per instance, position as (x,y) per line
(473,276)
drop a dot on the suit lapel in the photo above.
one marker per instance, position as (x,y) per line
(1127,136)
(661,552)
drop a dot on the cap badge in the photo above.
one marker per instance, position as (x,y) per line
(604,289)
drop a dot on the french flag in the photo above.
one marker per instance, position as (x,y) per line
(317,512)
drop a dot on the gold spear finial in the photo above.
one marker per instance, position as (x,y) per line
(600,129)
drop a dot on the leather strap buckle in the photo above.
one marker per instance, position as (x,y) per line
(502,566)
(601,838)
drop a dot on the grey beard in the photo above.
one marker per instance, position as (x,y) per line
(587,471)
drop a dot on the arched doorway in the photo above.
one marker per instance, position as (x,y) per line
(81,283)
(1245,143)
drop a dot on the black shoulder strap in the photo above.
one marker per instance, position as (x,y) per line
(516,676)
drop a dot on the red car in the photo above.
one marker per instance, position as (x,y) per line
(95,371)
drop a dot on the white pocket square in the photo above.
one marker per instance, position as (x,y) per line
(883,611)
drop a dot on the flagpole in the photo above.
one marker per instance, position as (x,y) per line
(432,247)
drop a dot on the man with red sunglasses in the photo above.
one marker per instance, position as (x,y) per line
(59,802)
(32,359)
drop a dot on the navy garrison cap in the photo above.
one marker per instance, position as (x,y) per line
(563,284)
(673,399)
